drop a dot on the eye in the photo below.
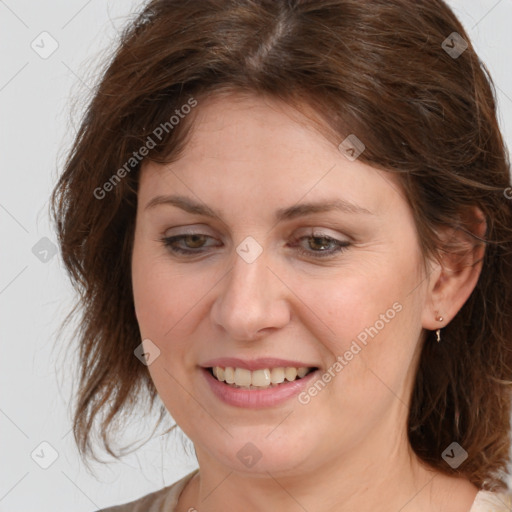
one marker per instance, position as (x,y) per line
(197,240)
(195,243)
(321,240)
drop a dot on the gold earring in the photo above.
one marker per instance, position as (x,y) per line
(438,332)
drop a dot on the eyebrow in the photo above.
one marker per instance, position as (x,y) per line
(282,214)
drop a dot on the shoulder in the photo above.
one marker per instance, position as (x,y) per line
(163,499)
(487,501)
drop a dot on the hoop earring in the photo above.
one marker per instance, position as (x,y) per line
(438,332)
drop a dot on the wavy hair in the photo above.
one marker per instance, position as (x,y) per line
(375,68)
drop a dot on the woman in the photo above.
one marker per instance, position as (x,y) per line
(289,221)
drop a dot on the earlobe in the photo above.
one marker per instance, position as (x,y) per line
(455,276)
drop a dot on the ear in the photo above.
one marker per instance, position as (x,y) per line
(452,280)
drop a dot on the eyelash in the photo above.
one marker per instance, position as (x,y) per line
(342,245)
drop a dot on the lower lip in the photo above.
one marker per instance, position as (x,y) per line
(257,398)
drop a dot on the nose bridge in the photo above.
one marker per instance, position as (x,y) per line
(249,300)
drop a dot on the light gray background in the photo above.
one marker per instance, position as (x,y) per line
(36,130)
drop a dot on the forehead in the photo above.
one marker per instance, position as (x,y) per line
(247,126)
(249,146)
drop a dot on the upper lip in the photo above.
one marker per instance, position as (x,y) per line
(255,364)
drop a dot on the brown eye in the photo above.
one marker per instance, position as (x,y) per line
(194,243)
(319,242)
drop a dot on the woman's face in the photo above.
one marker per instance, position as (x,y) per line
(340,290)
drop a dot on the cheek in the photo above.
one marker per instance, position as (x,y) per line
(152,291)
(351,301)
(159,306)
(168,303)
(368,316)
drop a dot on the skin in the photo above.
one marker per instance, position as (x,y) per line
(347,449)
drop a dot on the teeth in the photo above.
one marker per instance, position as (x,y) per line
(290,373)
(277,375)
(259,378)
(229,375)
(301,372)
(264,378)
(242,377)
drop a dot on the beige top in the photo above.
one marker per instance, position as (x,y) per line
(166,499)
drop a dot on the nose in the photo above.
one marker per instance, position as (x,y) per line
(251,300)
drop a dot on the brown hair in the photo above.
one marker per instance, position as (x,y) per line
(374,68)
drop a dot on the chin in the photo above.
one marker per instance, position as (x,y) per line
(259,451)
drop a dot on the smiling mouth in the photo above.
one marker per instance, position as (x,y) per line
(265,378)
